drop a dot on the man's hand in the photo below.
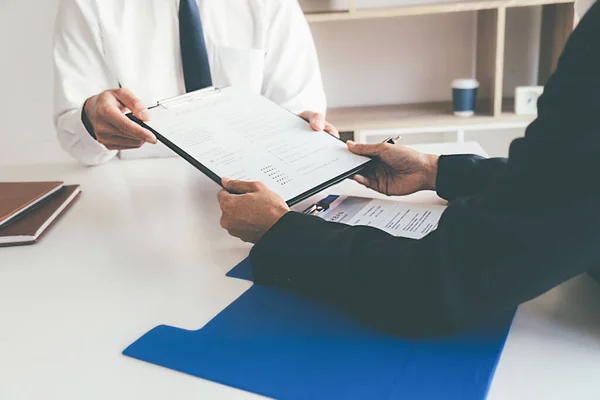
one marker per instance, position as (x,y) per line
(111,127)
(249,209)
(318,123)
(398,170)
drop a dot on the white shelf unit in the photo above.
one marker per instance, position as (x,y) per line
(494,109)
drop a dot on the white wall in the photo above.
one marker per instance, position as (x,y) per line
(523,27)
(364,62)
(26,129)
(395,60)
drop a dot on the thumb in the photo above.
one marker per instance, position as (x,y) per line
(366,149)
(317,122)
(238,187)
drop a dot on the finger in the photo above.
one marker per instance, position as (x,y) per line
(114,146)
(240,234)
(243,235)
(118,130)
(317,122)
(366,182)
(223,196)
(374,150)
(241,187)
(306,115)
(127,127)
(225,222)
(135,105)
(117,147)
(332,130)
(362,180)
(131,102)
(114,140)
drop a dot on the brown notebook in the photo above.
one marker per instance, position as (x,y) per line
(18,197)
(28,228)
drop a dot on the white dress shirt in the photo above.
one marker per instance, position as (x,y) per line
(263,45)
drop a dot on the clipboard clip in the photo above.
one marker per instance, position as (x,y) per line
(188,97)
(321,206)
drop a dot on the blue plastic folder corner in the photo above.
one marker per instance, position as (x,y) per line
(279,345)
(242,271)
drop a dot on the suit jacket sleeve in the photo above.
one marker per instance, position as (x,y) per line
(486,257)
(466,175)
(522,229)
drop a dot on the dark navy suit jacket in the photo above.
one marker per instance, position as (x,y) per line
(514,228)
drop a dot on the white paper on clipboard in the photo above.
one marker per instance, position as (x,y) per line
(242,135)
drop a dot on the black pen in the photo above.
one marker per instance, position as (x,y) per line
(321,205)
(392,139)
(315,209)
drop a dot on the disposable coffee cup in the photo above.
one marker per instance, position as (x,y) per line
(464,97)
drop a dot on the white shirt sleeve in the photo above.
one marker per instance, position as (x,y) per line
(80,72)
(292,77)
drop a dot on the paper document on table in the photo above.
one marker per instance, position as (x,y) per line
(242,135)
(397,218)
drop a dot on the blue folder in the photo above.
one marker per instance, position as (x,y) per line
(279,345)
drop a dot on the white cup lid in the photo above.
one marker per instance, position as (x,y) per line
(465,84)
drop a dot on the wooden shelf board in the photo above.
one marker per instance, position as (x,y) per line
(404,116)
(311,15)
(423,9)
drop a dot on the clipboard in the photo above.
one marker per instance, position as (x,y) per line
(203,94)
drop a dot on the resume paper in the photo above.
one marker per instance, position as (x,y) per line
(408,220)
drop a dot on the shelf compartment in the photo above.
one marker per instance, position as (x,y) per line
(402,116)
(558,21)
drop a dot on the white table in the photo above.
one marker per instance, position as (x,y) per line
(143,247)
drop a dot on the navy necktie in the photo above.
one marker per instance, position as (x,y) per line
(194,57)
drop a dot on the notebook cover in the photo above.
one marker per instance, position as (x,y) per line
(16,197)
(282,346)
(31,222)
